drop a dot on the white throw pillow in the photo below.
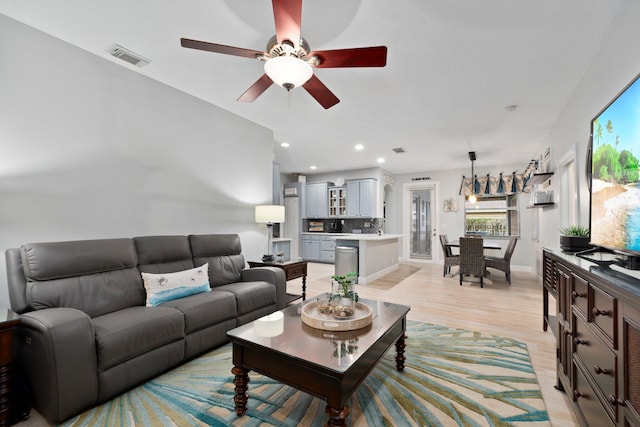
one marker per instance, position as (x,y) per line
(169,286)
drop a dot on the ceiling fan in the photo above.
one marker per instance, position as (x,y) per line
(289,62)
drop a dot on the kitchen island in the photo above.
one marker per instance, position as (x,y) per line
(377,255)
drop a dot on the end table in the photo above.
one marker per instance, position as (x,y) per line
(8,321)
(292,270)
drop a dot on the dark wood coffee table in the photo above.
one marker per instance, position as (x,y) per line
(303,357)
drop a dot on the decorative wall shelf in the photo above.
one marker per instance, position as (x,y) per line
(539,178)
(541,205)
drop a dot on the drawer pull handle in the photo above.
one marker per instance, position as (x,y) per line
(598,312)
(579,341)
(615,401)
(577,394)
(577,295)
(598,370)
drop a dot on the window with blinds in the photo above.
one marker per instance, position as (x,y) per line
(496,216)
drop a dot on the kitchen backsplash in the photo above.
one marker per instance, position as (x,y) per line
(349,225)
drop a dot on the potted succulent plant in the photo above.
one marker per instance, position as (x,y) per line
(574,238)
(343,295)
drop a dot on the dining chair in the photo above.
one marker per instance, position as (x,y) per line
(450,259)
(472,258)
(502,263)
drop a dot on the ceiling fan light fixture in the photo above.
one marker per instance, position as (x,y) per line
(288,71)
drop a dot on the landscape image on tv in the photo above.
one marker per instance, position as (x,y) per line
(615,194)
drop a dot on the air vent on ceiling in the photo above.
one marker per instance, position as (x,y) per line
(398,150)
(128,56)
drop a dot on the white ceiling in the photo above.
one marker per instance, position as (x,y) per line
(452,68)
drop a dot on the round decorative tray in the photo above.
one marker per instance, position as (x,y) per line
(312,317)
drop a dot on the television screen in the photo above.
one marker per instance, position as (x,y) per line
(615,194)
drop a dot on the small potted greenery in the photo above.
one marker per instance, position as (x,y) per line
(574,238)
(343,295)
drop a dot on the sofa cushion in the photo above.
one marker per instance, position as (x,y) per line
(163,254)
(128,333)
(223,254)
(206,309)
(251,296)
(54,260)
(94,276)
(169,286)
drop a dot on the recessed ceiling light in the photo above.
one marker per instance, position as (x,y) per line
(313,167)
(380,159)
(284,144)
(359,147)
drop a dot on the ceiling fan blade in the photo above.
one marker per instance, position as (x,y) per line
(288,15)
(320,92)
(220,48)
(375,56)
(256,89)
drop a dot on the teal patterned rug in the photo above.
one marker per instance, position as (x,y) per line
(452,377)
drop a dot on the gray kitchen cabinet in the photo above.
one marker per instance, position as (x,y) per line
(362,198)
(337,201)
(318,248)
(317,200)
(327,249)
(310,249)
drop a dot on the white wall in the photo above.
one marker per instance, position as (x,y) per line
(92,149)
(616,64)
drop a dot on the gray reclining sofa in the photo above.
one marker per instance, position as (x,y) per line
(86,334)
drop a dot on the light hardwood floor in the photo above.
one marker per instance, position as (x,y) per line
(499,308)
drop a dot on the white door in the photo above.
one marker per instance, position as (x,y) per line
(420,221)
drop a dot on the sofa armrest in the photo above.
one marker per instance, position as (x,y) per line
(272,275)
(56,349)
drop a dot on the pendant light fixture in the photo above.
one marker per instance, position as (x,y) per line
(472,197)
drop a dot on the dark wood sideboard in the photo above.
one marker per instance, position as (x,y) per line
(597,328)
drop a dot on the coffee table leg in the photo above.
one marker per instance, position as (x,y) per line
(337,417)
(304,288)
(241,382)
(400,345)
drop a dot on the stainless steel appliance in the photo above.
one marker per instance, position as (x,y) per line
(335,226)
(346,260)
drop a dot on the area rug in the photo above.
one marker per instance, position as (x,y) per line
(452,377)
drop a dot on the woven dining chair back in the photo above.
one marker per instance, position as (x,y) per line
(450,260)
(472,258)
(503,263)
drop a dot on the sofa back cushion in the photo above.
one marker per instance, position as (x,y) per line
(163,254)
(222,252)
(94,276)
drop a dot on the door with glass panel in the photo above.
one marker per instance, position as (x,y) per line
(421,224)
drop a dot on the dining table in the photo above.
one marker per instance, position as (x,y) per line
(486,244)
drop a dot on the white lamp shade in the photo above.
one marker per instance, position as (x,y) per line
(288,69)
(269,214)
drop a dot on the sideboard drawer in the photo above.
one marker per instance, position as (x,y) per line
(579,295)
(586,399)
(603,314)
(598,360)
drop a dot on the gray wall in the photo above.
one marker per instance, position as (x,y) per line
(92,149)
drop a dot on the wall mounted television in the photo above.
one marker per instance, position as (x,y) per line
(614,177)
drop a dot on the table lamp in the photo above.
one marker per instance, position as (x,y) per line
(269,214)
